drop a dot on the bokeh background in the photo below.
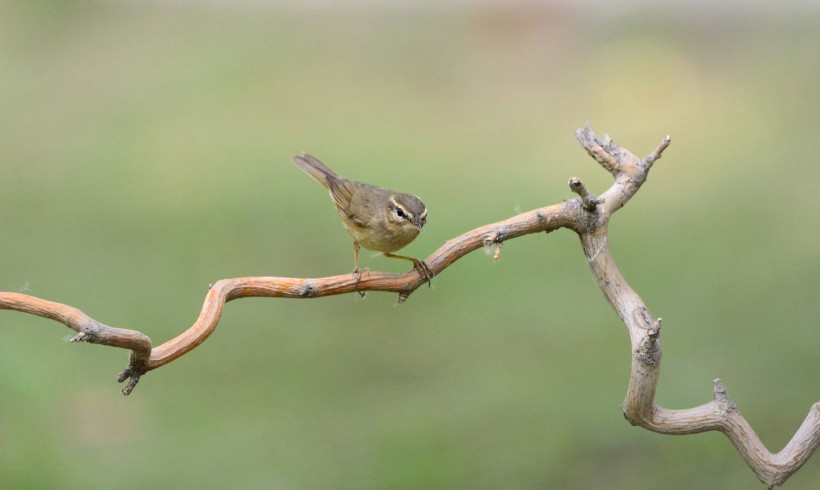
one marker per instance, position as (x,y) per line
(145,153)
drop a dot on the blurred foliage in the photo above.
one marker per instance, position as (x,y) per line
(145,153)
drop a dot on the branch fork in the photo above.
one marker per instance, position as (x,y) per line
(588,216)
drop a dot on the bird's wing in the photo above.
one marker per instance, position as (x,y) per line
(342,191)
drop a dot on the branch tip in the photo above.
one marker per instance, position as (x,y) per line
(590,201)
(132,373)
(721,397)
(606,152)
(132,383)
(655,329)
(658,151)
(719,390)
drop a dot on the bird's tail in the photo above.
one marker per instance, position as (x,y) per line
(316,169)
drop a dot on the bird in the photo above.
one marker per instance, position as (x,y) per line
(378,219)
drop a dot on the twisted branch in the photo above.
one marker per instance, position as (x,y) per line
(639,406)
(588,216)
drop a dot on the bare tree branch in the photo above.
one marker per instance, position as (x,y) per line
(588,216)
(88,330)
(639,407)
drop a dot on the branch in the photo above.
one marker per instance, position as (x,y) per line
(144,358)
(640,409)
(588,216)
(88,330)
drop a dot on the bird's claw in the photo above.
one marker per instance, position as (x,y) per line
(359,271)
(424,270)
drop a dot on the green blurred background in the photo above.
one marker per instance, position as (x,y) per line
(145,153)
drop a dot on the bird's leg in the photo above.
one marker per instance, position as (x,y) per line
(356,247)
(419,265)
(356,269)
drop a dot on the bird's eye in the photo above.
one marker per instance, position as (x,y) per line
(400,213)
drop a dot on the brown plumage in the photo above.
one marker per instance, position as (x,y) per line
(378,219)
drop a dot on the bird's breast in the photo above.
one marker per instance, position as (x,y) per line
(380,239)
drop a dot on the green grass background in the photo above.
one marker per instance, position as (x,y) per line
(145,153)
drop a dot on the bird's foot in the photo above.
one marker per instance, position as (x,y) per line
(359,271)
(424,270)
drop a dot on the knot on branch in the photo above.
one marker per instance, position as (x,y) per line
(649,351)
(85,336)
(494,237)
(721,398)
(306,290)
(91,332)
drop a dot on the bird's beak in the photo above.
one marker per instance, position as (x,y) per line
(418,223)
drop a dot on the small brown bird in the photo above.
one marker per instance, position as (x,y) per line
(378,219)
